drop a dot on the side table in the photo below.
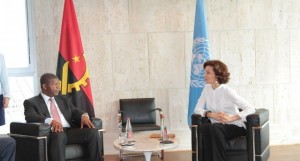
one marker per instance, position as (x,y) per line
(145,145)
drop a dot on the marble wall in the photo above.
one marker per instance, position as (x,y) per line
(142,48)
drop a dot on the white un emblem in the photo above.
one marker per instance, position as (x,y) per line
(201,54)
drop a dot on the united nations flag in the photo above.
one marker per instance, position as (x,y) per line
(201,53)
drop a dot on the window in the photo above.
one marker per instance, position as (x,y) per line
(16,31)
(17,45)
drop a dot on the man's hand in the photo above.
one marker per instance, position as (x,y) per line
(5,102)
(56,126)
(85,120)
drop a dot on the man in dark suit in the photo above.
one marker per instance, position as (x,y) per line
(58,111)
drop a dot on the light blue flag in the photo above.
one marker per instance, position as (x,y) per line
(201,53)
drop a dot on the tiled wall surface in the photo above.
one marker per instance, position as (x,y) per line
(142,48)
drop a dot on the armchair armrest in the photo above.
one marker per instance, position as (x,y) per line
(197,119)
(30,129)
(258,135)
(97,123)
(259,118)
(31,140)
(40,129)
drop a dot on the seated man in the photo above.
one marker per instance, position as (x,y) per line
(7,148)
(57,111)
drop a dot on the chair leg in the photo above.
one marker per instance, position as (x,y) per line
(195,148)
(162,154)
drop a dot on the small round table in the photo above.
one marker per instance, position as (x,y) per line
(146,145)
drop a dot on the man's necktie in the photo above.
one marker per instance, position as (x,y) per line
(54,111)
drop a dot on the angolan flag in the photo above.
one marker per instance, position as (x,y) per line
(71,65)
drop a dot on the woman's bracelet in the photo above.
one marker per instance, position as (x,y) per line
(206,112)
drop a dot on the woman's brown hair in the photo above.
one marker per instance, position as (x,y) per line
(220,70)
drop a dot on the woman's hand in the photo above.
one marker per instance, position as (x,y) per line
(223,117)
(217,116)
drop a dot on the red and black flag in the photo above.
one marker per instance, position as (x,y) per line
(71,65)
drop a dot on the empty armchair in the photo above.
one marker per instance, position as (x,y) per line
(31,140)
(142,113)
(252,147)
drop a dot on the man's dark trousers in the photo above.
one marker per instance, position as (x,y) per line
(86,136)
(7,148)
